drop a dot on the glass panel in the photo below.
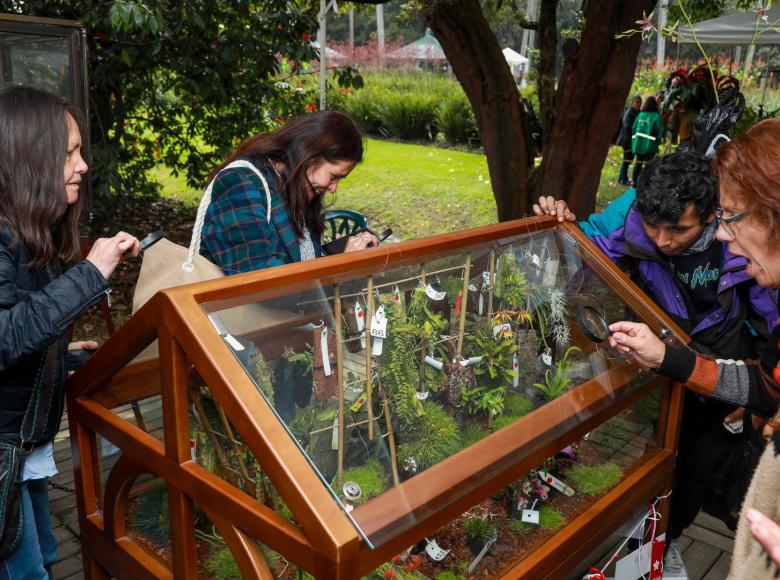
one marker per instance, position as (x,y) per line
(462,344)
(39,61)
(147,516)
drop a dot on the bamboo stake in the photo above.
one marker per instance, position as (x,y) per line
(491,275)
(463,303)
(390,437)
(209,433)
(340,380)
(369,374)
(236,451)
(330,427)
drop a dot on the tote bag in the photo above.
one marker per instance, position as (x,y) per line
(166,265)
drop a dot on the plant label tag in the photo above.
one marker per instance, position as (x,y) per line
(516,370)
(325,354)
(530,515)
(434,551)
(430,361)
(474,360)
(547,358)
(553,481)
(379,329)
(501,328)
(334,439)
(536,260)
(396,294)
(484,551)
(486,278)
(376,346)
(472,288)
(360,319)
(422,396)
(232,342)
(481,304)
(193,450)
(434,294)
(359,402)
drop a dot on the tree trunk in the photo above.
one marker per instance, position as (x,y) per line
(591,94)
(476,59)
(548,43)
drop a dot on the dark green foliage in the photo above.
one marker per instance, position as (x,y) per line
(511,286)
(473,433)
(432,438)
(400,372)
(518,406)
(410,115)
(455,119)
(371,478)
(504,420)
(477,529)
(151,515)
(221,564)
(495,369)
(596,479)
(557,382)
(452,286)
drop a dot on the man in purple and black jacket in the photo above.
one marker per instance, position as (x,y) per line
(663,236)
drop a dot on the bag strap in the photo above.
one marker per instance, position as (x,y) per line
(194,248)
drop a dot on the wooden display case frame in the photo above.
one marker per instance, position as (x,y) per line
(324,543)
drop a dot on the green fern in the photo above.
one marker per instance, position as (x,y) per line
(511,284)
(433,438)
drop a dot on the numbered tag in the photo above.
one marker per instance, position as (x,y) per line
(434,294)
(379,328)
(474,360)
(553,481)
(359,402)
(434,551)
(500,328)
(430,361)
(530,515)
(325,354)
(360,319)
(516,370)
(379,322)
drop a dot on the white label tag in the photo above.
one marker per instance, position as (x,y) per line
(435,552)
(434,294)
(472,288)
(536,260)
(501,328)
(430,361)
(516,370)
(481,304)
(379,328)
(360,319)
(396,294)
(193,450)
(422,396)
(325,354)
(233,343)
(547,358)
(486,278)
(553,481)
(334,439)
(474,360)
(376,346)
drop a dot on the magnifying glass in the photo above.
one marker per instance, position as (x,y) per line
(593,324)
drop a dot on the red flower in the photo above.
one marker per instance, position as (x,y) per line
(396,558)
(389,574)
(311,107)
(417,559)
(305,36)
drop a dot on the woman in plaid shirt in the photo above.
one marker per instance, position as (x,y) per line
(248,227)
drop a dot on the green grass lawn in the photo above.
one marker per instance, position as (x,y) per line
(415,189)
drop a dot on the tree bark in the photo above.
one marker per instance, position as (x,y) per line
(476,59)
(548,43)
(591,94)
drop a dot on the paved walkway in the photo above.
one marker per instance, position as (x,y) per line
(706,546)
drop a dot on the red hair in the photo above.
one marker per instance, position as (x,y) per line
(749,169)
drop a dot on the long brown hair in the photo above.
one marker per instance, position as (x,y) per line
(748,166)
(302,143)
(33,200)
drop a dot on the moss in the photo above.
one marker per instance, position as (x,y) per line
(371,478)
(518,406)
(433,438)
(448,576)
(549,519)
(221,564)
(473,433)
(595,479)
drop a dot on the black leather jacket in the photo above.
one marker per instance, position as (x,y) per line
(36,308)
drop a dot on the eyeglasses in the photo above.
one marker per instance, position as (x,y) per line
(726,222)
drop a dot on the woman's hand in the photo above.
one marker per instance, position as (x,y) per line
(83,345)
(766,532)
(639,342)
(548,205)
(361,241)
(106,253)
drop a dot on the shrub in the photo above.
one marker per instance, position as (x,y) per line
(473,433)
(455,118)
(595,479)
(410,115)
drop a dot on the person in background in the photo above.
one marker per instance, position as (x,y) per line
(41,171)
(749,222)
(246,228)
(648,130)
(624,137)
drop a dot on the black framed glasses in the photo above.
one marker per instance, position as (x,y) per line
(726,222)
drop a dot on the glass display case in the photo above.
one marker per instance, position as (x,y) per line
(441,406)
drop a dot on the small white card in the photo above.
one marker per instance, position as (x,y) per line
(434,294)
(325,354)
(422,396)
(516,370)
(434,551)
(501,328)
(430,361)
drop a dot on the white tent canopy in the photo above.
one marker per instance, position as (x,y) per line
(424,48)
(735,29)
(517,62)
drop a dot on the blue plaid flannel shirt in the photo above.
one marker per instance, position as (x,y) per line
(236,235)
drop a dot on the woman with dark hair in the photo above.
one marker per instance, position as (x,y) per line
(269,213)
(41,171)
(648,132)
(749,221)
